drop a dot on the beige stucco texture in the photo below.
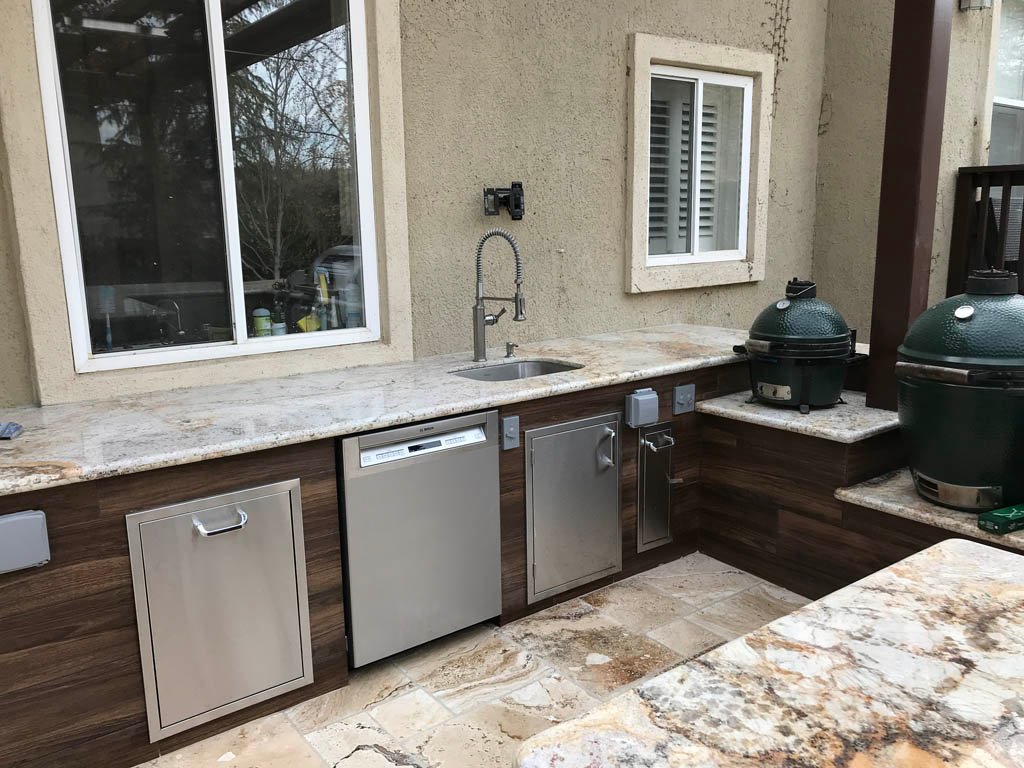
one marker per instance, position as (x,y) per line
(852,132)
(536,91)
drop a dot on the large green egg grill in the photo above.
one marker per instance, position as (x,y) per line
(798,350)
(961,396)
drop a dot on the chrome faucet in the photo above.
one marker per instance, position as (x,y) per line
(480,317)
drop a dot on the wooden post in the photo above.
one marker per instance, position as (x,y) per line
(910,173)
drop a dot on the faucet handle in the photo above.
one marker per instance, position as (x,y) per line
(493,319)
(510,349)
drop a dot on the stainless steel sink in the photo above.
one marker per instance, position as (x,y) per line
(518,369)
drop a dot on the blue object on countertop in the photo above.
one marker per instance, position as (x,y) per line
(9,430)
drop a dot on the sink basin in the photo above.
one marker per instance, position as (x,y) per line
(518,369)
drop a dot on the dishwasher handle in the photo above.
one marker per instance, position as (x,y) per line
(607,461)
(243,518)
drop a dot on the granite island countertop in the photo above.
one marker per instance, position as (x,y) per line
(86,441)
(918,665)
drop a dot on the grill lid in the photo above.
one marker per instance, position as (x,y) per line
(980,330)
(800,324)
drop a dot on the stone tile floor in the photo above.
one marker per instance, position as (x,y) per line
(466,701)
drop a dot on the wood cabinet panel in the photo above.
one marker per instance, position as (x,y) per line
(70,674)
(768,504)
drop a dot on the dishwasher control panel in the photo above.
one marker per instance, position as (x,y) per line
(383,454)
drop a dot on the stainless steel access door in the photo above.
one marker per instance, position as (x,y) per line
(573,525)
(654,486)
(220,595)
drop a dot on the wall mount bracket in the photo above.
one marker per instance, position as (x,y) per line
(495,198)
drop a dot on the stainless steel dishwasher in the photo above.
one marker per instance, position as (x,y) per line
(422,533)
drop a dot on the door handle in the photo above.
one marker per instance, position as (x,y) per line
(204,531)
(667,441)
(607,461)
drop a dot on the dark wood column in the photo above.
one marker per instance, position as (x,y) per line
(910,172)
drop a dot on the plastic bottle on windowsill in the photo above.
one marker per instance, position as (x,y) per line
(353,306)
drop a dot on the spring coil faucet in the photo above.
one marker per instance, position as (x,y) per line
(480,317)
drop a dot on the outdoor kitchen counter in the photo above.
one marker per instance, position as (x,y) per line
(894,494)
(848,422)
(916,665)
(85,441)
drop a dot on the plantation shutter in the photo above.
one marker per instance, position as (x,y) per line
(683,199)
(668,213)
(708,175)
(658,200)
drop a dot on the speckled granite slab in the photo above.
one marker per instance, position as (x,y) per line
(918,666)
(71,443)
(894,494)
(848,422)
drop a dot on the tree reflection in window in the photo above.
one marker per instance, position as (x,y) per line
(291,106)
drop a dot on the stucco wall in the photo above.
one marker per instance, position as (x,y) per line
(15,367)
(537,91)
(852,131)
(532,91)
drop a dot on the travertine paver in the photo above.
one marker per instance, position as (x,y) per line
(470,699)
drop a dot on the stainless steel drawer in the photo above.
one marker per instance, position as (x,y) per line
(220,595)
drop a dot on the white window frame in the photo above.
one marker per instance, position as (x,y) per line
(648,52)
(243,344)
(700,78)
(1003,101)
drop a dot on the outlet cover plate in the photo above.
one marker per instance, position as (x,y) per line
(683,399)
(509,432)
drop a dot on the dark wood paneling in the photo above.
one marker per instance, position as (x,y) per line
(739,516)
(873,457)
(70,674)
(901,532)
(779,468)
(709,383)
(833,550)
(768,504)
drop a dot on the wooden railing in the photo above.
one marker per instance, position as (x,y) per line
(988,225)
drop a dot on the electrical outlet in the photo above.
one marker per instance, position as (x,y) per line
(509,432)
(683,398)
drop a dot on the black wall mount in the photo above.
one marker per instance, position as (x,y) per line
(509,197)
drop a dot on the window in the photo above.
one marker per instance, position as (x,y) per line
(700,139)
(703,115)
(1007,144)
(212,176)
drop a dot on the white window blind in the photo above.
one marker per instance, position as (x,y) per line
(708,174)
(657,214)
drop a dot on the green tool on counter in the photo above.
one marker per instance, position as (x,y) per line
(1006,520)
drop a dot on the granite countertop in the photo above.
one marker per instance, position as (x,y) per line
(916,665)
(84,441)
(894,494)
(848,422)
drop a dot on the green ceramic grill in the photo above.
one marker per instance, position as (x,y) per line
(798,350)
(961,396)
